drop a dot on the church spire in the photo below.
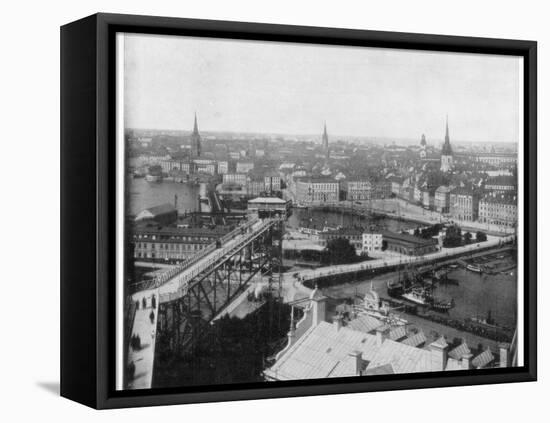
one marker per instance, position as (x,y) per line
(447,130)
(195,126)
(325,141)
(446,151)
(196,139)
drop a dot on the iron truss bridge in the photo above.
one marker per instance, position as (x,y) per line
(177,306)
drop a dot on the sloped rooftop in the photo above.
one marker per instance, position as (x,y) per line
(483,359)
(320,350)
(415,340)
(459,351)
(364,323)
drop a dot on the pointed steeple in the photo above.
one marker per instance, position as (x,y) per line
(195,126)
(447,150)
(325,141)
(447,130)
(196,139)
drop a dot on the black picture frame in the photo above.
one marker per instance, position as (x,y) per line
(88,208)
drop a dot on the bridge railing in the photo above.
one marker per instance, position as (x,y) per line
(187,263)
(183,283)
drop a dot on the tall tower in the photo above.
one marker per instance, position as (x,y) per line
(446,151)
(423,147)
(325,142)
(196,139)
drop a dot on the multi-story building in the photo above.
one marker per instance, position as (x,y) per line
(272,182)
(428,198)
(244,167)
(317,190)
(498,209)
(408,244)
(395,184)
(209,168)
(152,159)
(381,189)
(269,206)
(235,178)
(407,190)
(354,236)
(442,199)
(498,159)
(359,190)
(183,165)
(417,194)
(463,204)
(255,186)
(501,183)
(223,167)
(151,242)
(372,242)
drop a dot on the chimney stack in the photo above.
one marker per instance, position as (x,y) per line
(504,349)
(466,362)
(318,302)
(439,349)
(291,335)
(357,356)
(382,333)
(337,322)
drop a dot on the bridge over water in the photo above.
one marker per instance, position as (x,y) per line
(182,301)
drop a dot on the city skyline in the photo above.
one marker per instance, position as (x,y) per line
(436,142)
(481,93)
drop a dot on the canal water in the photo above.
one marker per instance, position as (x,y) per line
(143,194)
(478,294)
(474,296)
(317,219)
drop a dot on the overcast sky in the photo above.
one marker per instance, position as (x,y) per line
(250,86)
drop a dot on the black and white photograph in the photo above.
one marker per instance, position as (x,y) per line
(300,211)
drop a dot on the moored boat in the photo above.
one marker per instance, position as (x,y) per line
(473,268)
(381,310)
(416,295)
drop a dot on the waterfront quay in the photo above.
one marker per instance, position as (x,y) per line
(386,264)
(474,296)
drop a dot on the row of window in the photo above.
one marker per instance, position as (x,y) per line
(497,215)
(174,247)
(497,207)
(176,238)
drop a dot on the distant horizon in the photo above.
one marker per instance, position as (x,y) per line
(291,88)
(332,137)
